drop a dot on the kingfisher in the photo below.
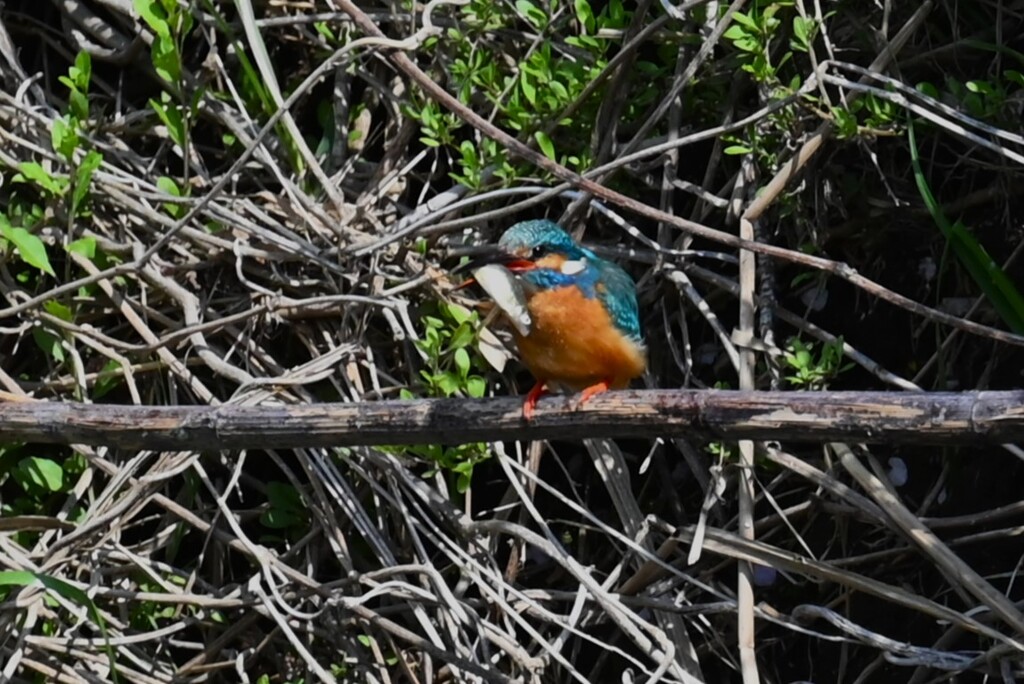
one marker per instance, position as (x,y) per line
(575,316)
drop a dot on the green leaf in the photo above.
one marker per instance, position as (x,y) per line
(30,247)
(82,71)
(55,308)
(586,15)
(171,118)
(458,313)
(166,60)
(462,361)
(48,343)
(83,179)
(32,171)
(171,188)
(63,138)
(462,336)
(928,89)
(107,381)
(534,15)
(286,508)
(154,15)
(447,383)
(546,146)
(78,104)
(803,30)
(746,20)
(85,246)
(737,149)
(476,386)
(742,40)
(529,90)
(39,473)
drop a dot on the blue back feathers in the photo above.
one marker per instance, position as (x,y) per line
(600,278)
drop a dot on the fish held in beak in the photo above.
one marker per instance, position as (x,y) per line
(502,286)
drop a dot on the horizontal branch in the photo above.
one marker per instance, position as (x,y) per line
(907,417)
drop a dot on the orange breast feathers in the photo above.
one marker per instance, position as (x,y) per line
(574,342)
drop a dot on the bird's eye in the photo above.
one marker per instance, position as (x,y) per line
(537,252)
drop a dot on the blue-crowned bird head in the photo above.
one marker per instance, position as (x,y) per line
(534,240)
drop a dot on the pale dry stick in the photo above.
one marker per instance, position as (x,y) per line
(841,270)
(613,469)
(898,652)
(617,536)
(171,361)
(190,310)
(952,565)
(824,481)
(680,279)
(124,364)
(745,484)
(770,192)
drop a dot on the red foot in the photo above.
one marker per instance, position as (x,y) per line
(587,393)
(531,399)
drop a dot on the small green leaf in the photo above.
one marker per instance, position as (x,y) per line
(32,171)
(154,16)
(171,118)
(536,16)
(476,386)
(82,71)
(30,247)
(586,15)
(529,90)
(55,308)
(78,104)
(447,383)
(546,146)
(83,179)
(462,361)
(462,337)
(746,20)
(63,138)
(40,473)
(458,313)
(171,188)
(49,343)
(85,246)
(737,149)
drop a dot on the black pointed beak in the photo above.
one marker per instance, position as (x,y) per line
(492,254)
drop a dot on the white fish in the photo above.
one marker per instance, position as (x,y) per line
(507,292)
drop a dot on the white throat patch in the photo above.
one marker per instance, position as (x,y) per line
(572,267)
